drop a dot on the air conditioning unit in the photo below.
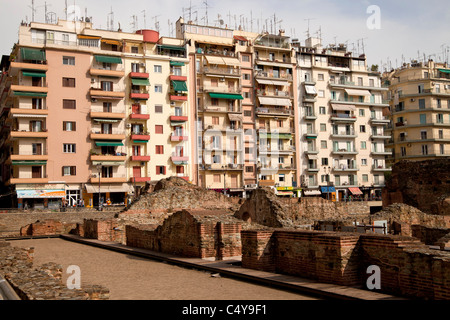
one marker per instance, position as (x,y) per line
(142,163)
(93,100)
(142,65)
(222,80)
(172,103)
(128,126)
(413,100)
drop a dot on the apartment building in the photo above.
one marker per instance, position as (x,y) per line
(245,97)
(343,123)
(91,114)
(420,111)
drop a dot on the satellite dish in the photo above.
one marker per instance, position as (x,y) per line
(221,22)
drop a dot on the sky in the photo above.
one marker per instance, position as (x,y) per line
(389,32)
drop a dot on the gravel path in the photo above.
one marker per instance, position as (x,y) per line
(134,278)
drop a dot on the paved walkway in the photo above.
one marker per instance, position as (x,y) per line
(230,269)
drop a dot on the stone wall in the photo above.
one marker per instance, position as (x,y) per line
(43,282)
(104,230)
(422,184)
(427,235)
(408,267)
(266,208)
(196,234)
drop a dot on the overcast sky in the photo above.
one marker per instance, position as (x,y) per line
(405,30)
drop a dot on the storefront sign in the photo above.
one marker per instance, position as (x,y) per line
(40,194)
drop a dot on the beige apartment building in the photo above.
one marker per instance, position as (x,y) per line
(343,123)
(245,98)
(91,114)
(420,111)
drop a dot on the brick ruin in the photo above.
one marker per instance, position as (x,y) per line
(424,185)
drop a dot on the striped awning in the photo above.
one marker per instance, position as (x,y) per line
(354,92)
(179,85)
(343,107)
(275,102)
(355,191)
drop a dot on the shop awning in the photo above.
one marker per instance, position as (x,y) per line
(273,82)
(30,94)
(343,107)
(312,193)
(108,59)
(167,47)
(29,54)
(226,96)
(177,63)
(355,191)
(310,90)
(444,70)
(354,92)
(327,189)
(179,85)
(34,74)
(140,82)
(109,144)
(125,187)
(275,102)
(285,193)
(106,120)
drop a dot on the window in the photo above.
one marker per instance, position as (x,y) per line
(424,149)
(69,104)
(364,162)
(65,39)
(158,88)
(36,126)
(439,104)
(403,151)
(216,159)
(134,49)
(362,128)
(323,127)
(69,171)
(247,95)
(321,94)
(214,82)
(362,112)
(159,149)
(136,151)
(323,144)
(441,134)
(371,83)
(248,113)
(324,161)
(160,170)
(158,69)
(441,149)
(423,135)
(158,108)
(37,103)
(246,76)
(320,77)
(217,178)
(322,110)
(68,82)
(36,149)
(422,104)
(365,178)
(69,126)
(249,169)
(215,120)
(107,107)
(69,148)
(440,118)
(281,178)
(245,58)
(214,102)
(107,86)
(159,129)
(69,61)
(363,145)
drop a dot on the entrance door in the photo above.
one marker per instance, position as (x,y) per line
(234,181)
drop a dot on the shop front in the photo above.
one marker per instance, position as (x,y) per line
(108,195)
(40,198)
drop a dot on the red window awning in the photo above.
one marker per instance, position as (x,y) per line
(355,191)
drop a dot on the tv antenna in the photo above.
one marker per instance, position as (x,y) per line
(110,23)
(275,22)
(205,2)
(219,21)
(251,21)
(156,22)
(308,35)
(34,10)
(145,19)
(134,23)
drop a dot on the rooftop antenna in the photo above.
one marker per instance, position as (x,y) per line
(65,10)
(145,19)
(205,2)
(362,45)
(110,25)
(308,35)
(229,18)
(251,21)
(134,23)
(33,10)
(156,22)
(241,21)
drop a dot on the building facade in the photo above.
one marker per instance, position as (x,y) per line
(420,111)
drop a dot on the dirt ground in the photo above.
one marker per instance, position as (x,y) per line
(133,278)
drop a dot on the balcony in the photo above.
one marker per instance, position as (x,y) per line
(178,138)
(29,66)
(107,73)
(383,103)
(139,116)
(113,179)
(140,158)
(342,117)
(309,98)
(179,118)
(277,94)
(344,134)
(383,120)
(139,95)
(312,169)
(173,77)
(381,136)
(266,183)
(29,89)
(27,157)
(22,112)
(108,157)
(139,75)
(29,134)
(140,136)
(140,179)
(114,135)
(310,116)
(312,151)
(101,94)
(345,151)
(97,114)
(273,75)
(178,97)
(381,153)
(273,112)
(179,160)
(381,169)
(222,71)
(28,181)
(345,168)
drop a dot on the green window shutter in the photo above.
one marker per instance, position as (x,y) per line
(29,54)
(179,85)
(140,82)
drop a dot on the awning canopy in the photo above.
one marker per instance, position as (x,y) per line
(107,163)
(140,82)
(34,74)
(343,107)
(107,120)
(29,54)
(234,117)
(355,191)
(275,102)
(240,38)
(312,193)
(108,143)
(179,85)
(167,47)
(310,89)
(30,94)
(354,92)
(327,189)
(274,64)
(29,163)
(81,36)
(34,116)
(215,60)
(140,141)
(226,96)
(177,63)
(231,61)
(313,156)
(273,82)
(112,42)
(125,187)
(444,70)
(108,59)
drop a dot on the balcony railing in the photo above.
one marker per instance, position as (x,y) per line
(275,111)
(222,71)
(271,75)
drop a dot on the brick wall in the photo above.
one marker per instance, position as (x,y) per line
(408,267)
(427,235)
(103,230)
(188,235)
